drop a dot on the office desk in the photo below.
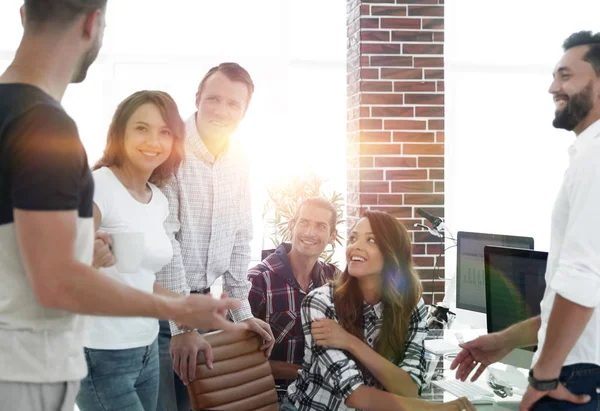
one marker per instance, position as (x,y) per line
(435,394)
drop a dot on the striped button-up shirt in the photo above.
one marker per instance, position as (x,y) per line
(276,298)
(330,375)
(210,222)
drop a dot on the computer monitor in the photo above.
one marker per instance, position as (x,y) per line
(514,287)
(470,277)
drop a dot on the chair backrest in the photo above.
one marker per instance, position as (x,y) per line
(241,378)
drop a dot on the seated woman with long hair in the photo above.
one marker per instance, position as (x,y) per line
(364,332)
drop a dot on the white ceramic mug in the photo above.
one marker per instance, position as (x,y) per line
(128,249)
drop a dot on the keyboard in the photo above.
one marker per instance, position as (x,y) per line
(471,391)
(440,347)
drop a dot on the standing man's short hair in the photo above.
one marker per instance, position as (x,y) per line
(58,12)
(586,38)
(234,72)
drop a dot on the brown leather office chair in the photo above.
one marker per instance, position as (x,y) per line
(241,378)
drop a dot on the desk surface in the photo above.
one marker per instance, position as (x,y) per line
(435,394)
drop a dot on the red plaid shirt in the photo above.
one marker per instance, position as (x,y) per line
(276,298)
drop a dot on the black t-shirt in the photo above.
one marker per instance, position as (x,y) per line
(43,165)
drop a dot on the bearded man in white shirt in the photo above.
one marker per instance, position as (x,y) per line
(566,367)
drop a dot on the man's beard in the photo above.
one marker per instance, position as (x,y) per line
(86,61)
(575,111)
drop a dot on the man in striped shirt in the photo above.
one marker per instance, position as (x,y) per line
(209,224)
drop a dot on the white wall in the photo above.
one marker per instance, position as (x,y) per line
(504,160)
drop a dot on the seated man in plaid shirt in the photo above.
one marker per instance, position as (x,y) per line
(280,282)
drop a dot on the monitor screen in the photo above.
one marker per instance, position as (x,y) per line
(515,285)
(470,277)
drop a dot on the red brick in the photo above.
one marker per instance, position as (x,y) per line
(406,136)
(374,187)
(418,249)
(365,61)
(439,136)
(373,35)
(382,99)
(388,11)
(372,124)
(430,199)
(398,212)
(404,35)
(391,61)
(369,23)
(378,1)
(423,49)
(429,286)
(366,175)
(423,149)
(393,111)
(434,249)
(416,174)
(366,161)
(436,174)
(404,125)
(368,199)
(440,86)
(431,162)
(434,74)
(429,111)
(375,136)
(422,261)
(399,162)
(433,24)
(379,48)
(376,86)
(374,149)
(415,1)
(401,74)
(434,99)
(369,73)
(390,199)
(400,23)
(435,124)
(439,36)
(400,86)
(439,186)
(437,11)
(412,187)
(365,111)
(365,9)
(429,62)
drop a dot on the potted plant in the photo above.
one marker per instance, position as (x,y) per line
(281,206)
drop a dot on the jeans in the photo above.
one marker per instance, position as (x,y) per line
(124,380)
(579,379)
(287,406)
(173,394)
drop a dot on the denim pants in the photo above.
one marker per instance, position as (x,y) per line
(579,379)
(173,395)
(123,380)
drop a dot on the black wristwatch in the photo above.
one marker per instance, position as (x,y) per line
(542,385)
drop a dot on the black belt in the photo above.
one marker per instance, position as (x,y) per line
(205,291)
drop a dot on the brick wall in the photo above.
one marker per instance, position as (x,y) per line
(395,131)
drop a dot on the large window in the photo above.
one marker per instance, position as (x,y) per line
(295,52)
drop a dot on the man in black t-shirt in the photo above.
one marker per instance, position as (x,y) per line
(46,221)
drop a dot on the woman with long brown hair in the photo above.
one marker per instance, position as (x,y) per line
(364,332)
(145,146)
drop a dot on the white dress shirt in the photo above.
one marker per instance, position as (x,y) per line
(209,223)
(573,269)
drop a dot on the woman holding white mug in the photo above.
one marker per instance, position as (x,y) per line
(145,146)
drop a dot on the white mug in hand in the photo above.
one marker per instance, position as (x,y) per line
(128,249)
